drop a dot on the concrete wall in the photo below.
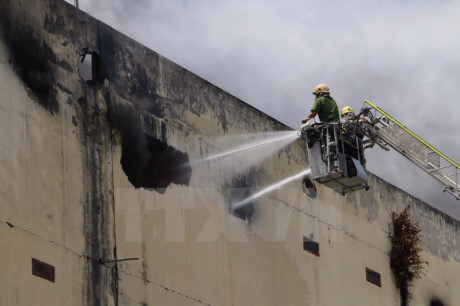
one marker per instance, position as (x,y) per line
(56,178)
(94,171)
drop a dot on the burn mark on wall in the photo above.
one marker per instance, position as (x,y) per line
(65,65)
(223,119)
(148,162)
(139,85)
(240,190)
(436,302)
(31,60)
(106,51)
(56,25)
(152,104)
(156,165)
(142,93)
(97,207)
(64,89)
(308,186)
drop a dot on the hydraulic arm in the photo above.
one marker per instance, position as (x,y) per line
(383,130)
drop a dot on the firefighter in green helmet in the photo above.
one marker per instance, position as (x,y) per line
(325,106)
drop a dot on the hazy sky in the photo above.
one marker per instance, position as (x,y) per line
(402,55)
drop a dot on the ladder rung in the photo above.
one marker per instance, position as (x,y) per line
(449,181)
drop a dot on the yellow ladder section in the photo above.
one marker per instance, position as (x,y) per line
(436,164)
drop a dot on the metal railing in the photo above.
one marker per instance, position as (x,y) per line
(384,128)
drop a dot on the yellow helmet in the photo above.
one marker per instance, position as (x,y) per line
(347,112)
(320,88)
(346,109)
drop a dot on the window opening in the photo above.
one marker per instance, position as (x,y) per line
(311,246)
(86,66)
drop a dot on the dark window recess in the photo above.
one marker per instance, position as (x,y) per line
(151,163)
(310,246)
(87,66)
(309,187)
(106,51)
(373,277)
(91,67)
(42,270)
(240,190)
(436,302)
(245,212)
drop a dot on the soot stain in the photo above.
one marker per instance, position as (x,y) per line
(148,162)
(55,26)
(223,121)
(151,163)
(436,302)
(30,59)
(66,65)
(64,89)
(241,189)
(143,93)
(139,84)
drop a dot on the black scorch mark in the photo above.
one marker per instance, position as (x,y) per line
(151,163)
(31,60)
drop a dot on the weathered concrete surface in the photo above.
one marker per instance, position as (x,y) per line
(56,159)
(94,172)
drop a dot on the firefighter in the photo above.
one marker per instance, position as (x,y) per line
(325,106)
(326,109)
(348,119)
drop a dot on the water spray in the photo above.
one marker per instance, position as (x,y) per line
(286,138)
(270,188)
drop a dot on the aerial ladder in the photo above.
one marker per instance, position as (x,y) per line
(336,151)
(385,130)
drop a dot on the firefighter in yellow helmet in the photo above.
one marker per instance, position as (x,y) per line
(325,106)
(347,113)
(349,122)
(348,119)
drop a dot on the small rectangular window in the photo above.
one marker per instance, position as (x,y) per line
(86,67)
(310,246)
(373,277)
(42,270)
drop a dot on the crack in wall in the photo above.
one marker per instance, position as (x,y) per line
(330,225)
(147,281)
(85,257)
(12,226)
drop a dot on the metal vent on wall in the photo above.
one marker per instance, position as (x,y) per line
(311,246)
(43,270)
(373,277)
